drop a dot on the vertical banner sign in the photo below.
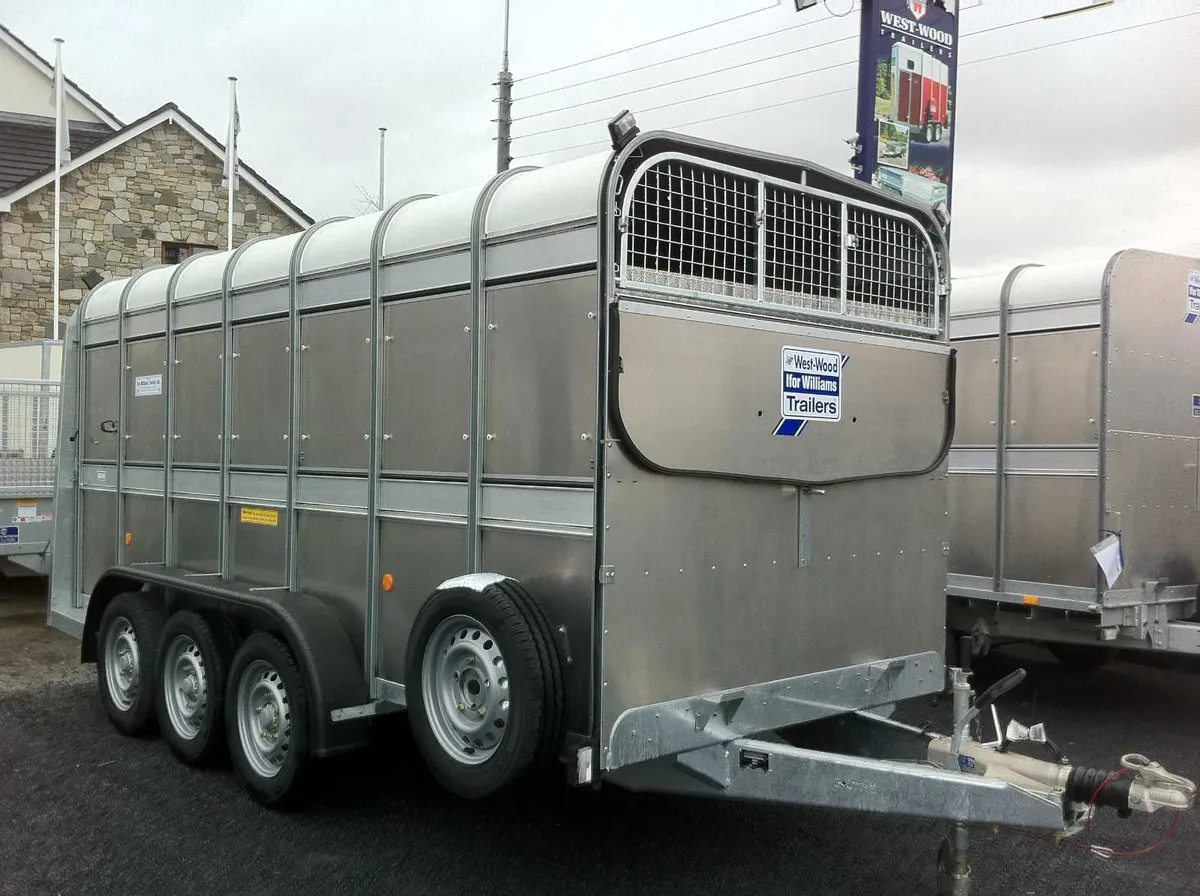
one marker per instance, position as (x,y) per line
(907,70)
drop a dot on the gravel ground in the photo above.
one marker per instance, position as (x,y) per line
(83,810)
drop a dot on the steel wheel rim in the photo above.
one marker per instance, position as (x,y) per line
(122,663)
(264,718)
(465,685)
(185,686)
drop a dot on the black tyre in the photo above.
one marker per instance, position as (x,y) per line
(928,133)
(266,720)
(192,660)
(126,652)
(1082,656)
(485,699)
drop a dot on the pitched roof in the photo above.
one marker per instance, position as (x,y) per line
(27,146)
(76,92)
(171,114)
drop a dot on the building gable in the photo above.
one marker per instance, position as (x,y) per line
(151,198)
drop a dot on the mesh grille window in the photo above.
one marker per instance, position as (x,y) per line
(700,232)
(695,229)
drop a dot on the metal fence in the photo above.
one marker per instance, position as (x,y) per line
(28,436)
(697,231)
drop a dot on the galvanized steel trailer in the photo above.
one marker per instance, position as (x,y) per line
(29,396)
(632,462)
(1079,420)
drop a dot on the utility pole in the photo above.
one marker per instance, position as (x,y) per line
(382,138)
(504,83)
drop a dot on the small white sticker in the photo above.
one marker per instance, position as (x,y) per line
(147,385)
(1110,557)
(102,475)
(27,512)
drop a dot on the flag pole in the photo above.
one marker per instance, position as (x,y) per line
(231,152)
(58,159)
(382,138)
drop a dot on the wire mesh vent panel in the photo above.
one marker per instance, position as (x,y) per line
(697,232)
(694,229)
(803,257)
(890,274)
(28,436)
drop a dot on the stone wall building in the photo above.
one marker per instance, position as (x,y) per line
(140,194)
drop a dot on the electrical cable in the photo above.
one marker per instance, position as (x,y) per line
(818,96)
(680,58)
(650,43)
(718,71)
(707,96)
(1105,852)
(730,68)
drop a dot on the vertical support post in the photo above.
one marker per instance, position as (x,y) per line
(476,436)
(504,84)
(1003,373)
(123,410)
(760,223)
(292,436)
(225,545)
(169,416)
(844,264)
(375,464)
(80,444)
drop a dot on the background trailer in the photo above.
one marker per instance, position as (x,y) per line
(29,390)
(1078,423)
(629,462)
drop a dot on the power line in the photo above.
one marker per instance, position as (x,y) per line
(718,71)
(650,43)
(707,96)
(804,99)
(641,68)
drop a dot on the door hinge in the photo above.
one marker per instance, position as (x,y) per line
(606,575)
(945,549)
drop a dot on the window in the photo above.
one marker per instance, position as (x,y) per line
(173,253)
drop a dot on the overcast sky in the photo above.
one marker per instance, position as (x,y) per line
(1084,147)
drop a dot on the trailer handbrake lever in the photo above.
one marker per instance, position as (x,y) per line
(998,690)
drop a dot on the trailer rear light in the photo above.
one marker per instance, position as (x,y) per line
(389,581)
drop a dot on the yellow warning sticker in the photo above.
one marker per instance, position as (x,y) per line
(260,516)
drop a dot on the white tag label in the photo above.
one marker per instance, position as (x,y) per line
(147,385)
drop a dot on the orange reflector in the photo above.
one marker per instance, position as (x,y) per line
(129,538)
(388,581)
(1031,599)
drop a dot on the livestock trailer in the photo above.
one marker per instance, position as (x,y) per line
(920,86)
(629,462)
(1078,421)
(29,393)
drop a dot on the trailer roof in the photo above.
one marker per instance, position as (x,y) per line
(1034,286)
(529,199)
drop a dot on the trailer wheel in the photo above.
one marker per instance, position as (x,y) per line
(266,720)
(1081,656)
(127,645)
(484,688)
(928,132)
(192,660)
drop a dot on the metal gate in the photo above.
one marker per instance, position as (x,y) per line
(29,413)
